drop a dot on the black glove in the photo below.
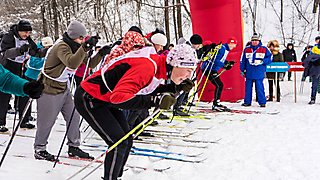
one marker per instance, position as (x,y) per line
(165,100)
(229,65)
(33,89)
(24,48)
(206,50)
(213,45)
(91,41)
(186,86)
(105,50)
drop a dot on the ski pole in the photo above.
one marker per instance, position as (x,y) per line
(195,89)
(15,130)
(143,124)
(117,143)
(212,57)
(83,77)
(17,101)
(203,87)
(157,112)
(64,138)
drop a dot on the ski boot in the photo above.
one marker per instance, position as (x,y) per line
(44,155)
(76,151)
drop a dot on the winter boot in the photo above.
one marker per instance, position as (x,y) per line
(263,105)
(44,155)
(27,125)
(312,101)
(76,151)
(154,123)
(3,129)
(178,112)
(162,116)
(245,105)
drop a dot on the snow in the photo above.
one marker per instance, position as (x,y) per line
(251,146)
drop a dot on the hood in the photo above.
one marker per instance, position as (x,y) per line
(276,46)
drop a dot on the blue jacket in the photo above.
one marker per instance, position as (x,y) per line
(248,57)
(219,61)
(35,65)
(10,83)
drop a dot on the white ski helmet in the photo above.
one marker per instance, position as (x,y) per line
(47,41)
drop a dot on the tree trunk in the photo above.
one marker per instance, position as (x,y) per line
(175,23)
(166,22)
(55,19)
(44,21)
(179,20)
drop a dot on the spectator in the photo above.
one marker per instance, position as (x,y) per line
(277,57)
(253,64)
(289,55)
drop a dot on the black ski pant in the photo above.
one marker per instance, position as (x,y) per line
(271,89)
(110,123)
(136,117)
(15,68)
(216,81)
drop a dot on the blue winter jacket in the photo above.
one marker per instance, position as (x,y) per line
(10,83)
(35,65)
(248,57)
(219,61)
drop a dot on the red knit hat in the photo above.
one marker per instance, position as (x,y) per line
(207,42)
(232,40)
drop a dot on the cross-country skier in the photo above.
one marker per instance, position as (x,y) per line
(131,82)
(62,60)
(214,65)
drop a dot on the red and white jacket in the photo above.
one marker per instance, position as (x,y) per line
(129,81)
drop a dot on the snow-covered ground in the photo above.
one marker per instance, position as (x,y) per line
(252,146)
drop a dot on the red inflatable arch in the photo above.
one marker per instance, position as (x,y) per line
(217,20)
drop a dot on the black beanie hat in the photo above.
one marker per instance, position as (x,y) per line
(317,38)
(135,29)
(24,25)
(196,39)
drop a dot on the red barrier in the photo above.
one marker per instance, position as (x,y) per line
(295,66)
(217,20)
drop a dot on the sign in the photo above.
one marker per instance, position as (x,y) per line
(295,66)
(278,67)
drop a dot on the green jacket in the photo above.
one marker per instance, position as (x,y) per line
(10,83)
(58,59)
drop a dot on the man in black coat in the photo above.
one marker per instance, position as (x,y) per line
(19,42)
(289,55)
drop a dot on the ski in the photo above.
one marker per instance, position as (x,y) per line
(21,135)
(240,111)
(168,144)
(180,127)
(61,163)
(177,119)
(80,159)
(164,152)
(168,158)
(183,139)
(144,168)
(169,132)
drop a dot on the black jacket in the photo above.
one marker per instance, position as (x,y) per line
(289,55)
(8,42)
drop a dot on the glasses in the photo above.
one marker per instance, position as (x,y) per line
(138,46)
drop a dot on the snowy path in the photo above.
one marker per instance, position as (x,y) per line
(258,146)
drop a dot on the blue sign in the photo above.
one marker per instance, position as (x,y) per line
(278,67)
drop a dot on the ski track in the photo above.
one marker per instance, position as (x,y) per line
(264,147)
